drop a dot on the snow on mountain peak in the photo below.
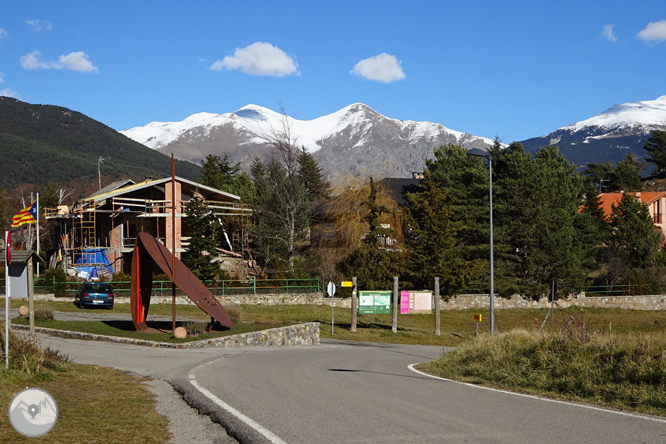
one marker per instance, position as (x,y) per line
(630,114)
(262,124)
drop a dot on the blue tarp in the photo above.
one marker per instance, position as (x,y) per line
(92,262)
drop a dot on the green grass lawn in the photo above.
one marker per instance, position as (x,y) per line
(457,326)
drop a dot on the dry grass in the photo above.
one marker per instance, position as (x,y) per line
(96,404)
(626,371)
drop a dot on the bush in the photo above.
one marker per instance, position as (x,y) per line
(195,328)
(45,313)
(235,312)
(28,358)
(55,281)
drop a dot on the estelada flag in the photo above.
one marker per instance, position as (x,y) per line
(28,215)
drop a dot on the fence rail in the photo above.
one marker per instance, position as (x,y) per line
(164,288)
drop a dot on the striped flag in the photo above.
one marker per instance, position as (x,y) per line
(28,215)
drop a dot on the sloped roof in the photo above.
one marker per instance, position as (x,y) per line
(22,256)
(606,200)
(188,186)
(112,187)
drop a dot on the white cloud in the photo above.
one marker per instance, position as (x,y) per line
(39,25)
(653,32)
(2,78)
(607,33)
(3,34)
(259,59)
(8,93)
(383,68)
(75,61)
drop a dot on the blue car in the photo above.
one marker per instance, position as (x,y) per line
(94,294)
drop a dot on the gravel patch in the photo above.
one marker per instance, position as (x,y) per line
(186,425)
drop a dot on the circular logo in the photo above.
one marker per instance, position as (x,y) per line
(33,412)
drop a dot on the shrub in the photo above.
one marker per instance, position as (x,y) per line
(28,358)
(44,313)
(235,312)
(55,281)
(195,328)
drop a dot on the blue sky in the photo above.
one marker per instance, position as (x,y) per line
(517,69)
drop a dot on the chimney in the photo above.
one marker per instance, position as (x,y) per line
(417,175)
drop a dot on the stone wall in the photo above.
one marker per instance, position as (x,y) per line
(301,334)
(461,302)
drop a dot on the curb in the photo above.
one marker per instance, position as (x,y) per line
(299,334)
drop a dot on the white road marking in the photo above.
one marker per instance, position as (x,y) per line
(250,422)
(649,418)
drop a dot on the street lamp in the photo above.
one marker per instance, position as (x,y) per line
(480,153)
(99,174)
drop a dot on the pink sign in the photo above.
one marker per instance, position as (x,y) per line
(404,302)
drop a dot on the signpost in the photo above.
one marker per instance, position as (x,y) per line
(354,304)
(331,291)
(477,318)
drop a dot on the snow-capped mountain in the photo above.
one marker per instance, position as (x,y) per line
(355,139)
(609,136)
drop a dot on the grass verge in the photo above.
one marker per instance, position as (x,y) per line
(624,371)
(126,329)
(96,404)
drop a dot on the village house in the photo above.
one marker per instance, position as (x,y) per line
(655,200)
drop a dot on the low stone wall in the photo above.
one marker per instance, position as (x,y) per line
(462,302)
(301,334)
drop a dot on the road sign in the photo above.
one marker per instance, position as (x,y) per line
(346,284)
(331,289)
(477,317)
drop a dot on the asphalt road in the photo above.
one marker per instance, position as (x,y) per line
(345,392)
(367,394)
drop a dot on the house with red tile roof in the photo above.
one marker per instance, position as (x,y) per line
(655,200)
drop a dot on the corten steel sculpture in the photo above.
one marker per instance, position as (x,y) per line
(149,251)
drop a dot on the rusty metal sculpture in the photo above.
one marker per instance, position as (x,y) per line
(149,251)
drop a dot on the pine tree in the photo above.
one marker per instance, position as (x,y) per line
(432,242)
(634,233)
(656,148)
(222,174)
(629,174)
(202,228)
(317,188)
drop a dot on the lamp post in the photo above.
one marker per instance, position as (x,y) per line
(99,173)
(480,153)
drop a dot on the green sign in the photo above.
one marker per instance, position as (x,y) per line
(374,302)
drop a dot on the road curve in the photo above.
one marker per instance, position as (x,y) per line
(367,394)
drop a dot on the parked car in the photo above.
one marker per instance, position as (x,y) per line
(94,294)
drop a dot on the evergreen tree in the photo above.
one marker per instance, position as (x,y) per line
(202,228)
(629,174)
(432,243)
(656,148)
(593,230)
(465,180)
(375,262)
(634,233)
(317,188)
(537,205)
(602,175)
(222,174)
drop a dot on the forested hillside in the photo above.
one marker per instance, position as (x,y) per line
(44,143)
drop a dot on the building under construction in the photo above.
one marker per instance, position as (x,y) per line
(98,232)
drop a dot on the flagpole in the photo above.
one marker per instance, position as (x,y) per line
(7,259)
(38,235)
